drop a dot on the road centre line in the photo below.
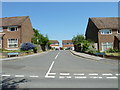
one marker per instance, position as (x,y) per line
(48,72)
(57,55)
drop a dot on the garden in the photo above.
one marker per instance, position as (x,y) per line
(86,46)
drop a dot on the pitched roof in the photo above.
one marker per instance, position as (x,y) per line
(2,34)
(106,22)
(12,21)
(66,41)
(54,41)
(118,36)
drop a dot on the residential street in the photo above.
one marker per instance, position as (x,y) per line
(61,69)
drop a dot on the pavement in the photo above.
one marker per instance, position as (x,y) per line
(59,69)
(86,55)
(12,58)
(92,57)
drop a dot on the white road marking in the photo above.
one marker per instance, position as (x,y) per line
(93,74)
(96,77)
(5,75)
(107,74)
(81,77)
(19,75)
(61,77)
(57,55)
(64,74)
(50,77)
(78,74)
(111,77)
(117,74)
(46,76)
(68,77)
(34,76)
(52,73)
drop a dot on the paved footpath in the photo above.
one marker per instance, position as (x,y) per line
(60,69)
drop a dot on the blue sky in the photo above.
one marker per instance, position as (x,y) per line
(60,21)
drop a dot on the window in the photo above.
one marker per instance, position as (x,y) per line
(13,28)
(1,29)
(106,46)
(12,43)
(119,31)
(65,43)
(106,31)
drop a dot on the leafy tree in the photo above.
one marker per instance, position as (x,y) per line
(40,39)
(35,36)
(77,41)
(80,43)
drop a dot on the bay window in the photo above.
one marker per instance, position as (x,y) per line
(107,45)
(12,43)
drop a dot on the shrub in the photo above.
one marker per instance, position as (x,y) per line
(112,50)
(27,46)
(35,49)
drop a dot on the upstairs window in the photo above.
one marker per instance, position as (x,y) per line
(106,31)
(119,31)
(13,28)
(1,29)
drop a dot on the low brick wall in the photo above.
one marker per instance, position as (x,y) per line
(106,56)
(112,57)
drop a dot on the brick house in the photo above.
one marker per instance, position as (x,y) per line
(54,44)
(117,41)
(14,31)
(104,32)
(67,44)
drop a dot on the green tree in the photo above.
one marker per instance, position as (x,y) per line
(77,41)
(40,39)
(35,36)
(80,43)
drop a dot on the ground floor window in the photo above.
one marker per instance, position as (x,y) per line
(107,45)
(12,43)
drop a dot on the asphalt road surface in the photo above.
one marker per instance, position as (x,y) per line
(60,69)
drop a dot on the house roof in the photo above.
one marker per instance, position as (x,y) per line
(2,34)
(118,36)
(54,41)
(66,41)
(12,21)
(106,22)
